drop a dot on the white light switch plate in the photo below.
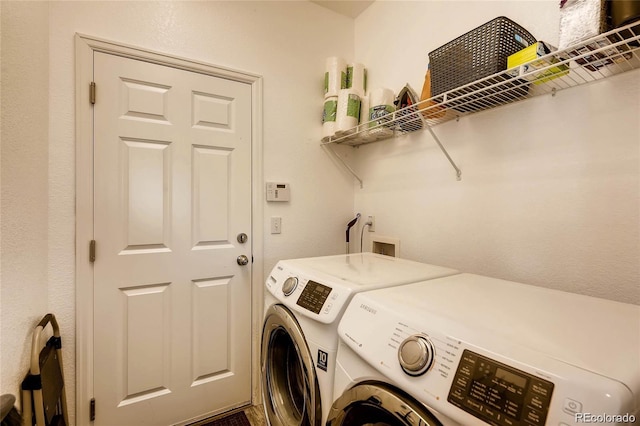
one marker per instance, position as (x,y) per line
(276,225)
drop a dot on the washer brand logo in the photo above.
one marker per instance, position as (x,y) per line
(368,309)
(323,359)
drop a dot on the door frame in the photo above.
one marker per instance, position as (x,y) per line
(85,46)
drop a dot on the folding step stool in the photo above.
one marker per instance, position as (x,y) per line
(43,391)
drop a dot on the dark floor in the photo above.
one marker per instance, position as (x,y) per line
(255,415)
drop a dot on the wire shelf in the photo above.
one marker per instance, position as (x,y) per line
(605,55)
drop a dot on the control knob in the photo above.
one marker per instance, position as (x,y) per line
(289,285)
(416,354)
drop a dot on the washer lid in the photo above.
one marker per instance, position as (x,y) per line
(367,271)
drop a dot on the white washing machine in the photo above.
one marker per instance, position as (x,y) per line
(304,301)
(474,350)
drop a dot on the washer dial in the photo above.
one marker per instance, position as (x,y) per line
(289,285)
(416,354)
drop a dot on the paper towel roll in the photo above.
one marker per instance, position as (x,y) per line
(364,117)
(364,109)
(357,78)
(335,76)
(380,106)
(329,117)
(348,113)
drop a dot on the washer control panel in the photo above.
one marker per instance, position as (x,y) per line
(499,394)
(313,296)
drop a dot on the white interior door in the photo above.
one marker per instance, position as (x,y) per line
(172,306)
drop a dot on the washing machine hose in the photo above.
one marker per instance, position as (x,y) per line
(349,226)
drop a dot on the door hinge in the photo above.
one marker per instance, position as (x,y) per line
(92,409)
(92,92)
(92,251)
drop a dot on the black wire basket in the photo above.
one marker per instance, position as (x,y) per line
(477,54)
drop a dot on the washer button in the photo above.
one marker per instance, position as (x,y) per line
(572,406)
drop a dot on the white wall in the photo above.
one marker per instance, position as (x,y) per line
(285,42)
(24,251)
(550,186)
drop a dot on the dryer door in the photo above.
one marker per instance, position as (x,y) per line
(380,404)
(290,390)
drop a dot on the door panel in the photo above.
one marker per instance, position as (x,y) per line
(210,195)
(147,351)
(210,345)
(172,165)
(146,172)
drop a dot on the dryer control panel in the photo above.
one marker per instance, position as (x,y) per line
(499,394)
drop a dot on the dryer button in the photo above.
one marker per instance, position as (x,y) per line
(572,406)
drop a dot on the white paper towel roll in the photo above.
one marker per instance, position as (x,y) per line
(348,113)
(335,76)
(364,117)
(364,109)
(357,78)
(329,117)
(380,106)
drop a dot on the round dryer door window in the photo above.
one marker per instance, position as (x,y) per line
(376,403)
(289,386)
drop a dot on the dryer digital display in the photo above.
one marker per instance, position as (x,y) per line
(313,296)
(499,394)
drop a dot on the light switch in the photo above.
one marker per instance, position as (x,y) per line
(276,225)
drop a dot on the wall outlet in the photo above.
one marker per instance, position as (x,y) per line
(372,227)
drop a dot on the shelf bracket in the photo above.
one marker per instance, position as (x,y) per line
(346,166)
(444,151)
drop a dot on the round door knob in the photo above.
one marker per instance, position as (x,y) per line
(416,355)
(242,260)
(289,285)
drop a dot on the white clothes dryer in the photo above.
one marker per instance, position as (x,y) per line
(473,350)
(304,301)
